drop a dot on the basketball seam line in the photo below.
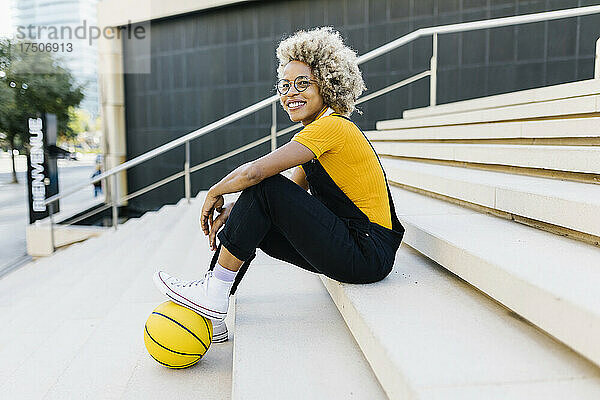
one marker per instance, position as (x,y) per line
(175,366)
(168,349)
(181,325)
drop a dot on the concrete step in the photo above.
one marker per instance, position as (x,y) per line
(49,270)
(42,268)
(572,205)
(118,336)
(181,254)
(58,271)
(536,95)
(69,311)
(291,342)
(429,335)
(74,261)
(449,129)
(552,108)
(547,279)
(584,159)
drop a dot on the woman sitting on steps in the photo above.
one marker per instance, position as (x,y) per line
(346,228)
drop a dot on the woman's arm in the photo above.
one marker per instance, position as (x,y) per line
(287,156)
(299,177)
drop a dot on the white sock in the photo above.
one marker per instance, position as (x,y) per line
(224,274)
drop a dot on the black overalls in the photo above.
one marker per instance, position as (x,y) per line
(283,220)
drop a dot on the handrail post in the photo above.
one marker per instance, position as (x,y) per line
(274,126)
(52,242)
(433,70)
(597,65)
(186,169)
(115,197)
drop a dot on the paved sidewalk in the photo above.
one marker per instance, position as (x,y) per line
(14,215)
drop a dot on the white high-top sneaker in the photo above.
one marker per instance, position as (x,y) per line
(220,333)
(208,297)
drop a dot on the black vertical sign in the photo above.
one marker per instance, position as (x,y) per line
(50,134)
(42,171)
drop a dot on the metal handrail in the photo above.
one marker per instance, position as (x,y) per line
(394,86)
(168,146)
(384,49)
(476,25)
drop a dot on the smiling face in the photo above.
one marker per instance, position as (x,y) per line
(301,106)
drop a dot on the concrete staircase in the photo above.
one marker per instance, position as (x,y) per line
(502,192)
(72,324)
(494,294)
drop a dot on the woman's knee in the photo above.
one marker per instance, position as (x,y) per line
(266,184)
(273,187)
(274,182)
(255,190)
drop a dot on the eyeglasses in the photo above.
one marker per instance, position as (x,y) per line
(301,83)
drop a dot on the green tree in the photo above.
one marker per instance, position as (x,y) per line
(79,121)
(32,83)
(9,123)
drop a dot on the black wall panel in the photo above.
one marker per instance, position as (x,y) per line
(209,64)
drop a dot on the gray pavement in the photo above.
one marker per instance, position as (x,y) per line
(14,209)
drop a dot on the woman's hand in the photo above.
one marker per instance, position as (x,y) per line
(212,202)
(224,212)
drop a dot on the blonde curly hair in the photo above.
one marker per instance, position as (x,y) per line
(332,63)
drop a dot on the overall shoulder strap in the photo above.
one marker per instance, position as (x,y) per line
(396,225)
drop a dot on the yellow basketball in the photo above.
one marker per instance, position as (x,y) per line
(177,337)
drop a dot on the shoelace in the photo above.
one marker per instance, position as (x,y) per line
(194,282)
(189,283)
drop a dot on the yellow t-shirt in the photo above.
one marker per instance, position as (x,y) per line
(346,155)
